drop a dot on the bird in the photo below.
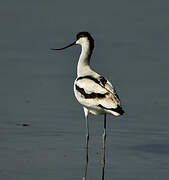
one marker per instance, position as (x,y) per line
(92,90)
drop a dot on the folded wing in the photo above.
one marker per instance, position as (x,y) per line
(97,92)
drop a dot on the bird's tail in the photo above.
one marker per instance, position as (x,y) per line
(115,111)
(119,110)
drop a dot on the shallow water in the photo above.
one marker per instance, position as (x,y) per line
(42,127)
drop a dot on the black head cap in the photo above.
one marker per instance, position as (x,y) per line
(86,34)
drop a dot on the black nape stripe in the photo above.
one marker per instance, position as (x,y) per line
(101,81)
(118,109)
(91,95)
(86,34)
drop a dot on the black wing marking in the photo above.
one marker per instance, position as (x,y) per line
(103,80)
(118,109)
(116,95)
(91,95)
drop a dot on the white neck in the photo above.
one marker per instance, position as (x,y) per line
(83,67)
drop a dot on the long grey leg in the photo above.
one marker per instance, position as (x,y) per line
(104,132)
(87,126)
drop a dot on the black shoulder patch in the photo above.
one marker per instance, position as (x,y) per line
(103,80)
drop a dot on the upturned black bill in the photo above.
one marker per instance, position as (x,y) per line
(64,47)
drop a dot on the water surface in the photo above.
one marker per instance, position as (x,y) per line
(42,127)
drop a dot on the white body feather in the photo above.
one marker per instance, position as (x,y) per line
(91,87)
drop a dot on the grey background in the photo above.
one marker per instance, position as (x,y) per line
(36,88)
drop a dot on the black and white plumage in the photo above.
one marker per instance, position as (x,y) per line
(97,95)
(93,91)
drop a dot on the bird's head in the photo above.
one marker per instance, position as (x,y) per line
(82,38)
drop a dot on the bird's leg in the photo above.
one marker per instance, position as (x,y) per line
(87,126)
(87,141)
(87,132)
(104,132)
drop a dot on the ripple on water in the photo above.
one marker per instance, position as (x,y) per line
(154,148)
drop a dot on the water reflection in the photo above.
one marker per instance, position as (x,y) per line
(87,162)
(103,163)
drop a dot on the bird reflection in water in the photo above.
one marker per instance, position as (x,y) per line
(87,161)
(103,154)
(103,163)
(86,165)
